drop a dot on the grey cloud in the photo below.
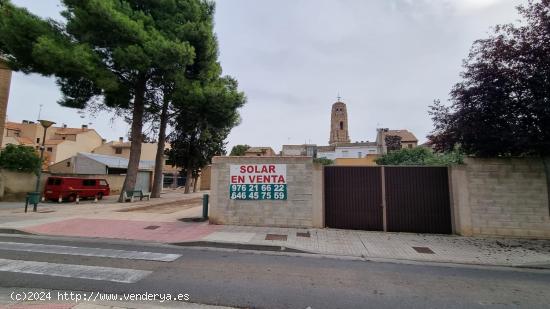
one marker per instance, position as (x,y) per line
(388,59)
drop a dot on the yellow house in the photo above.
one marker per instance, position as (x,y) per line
(121,149)
(61,142)
(408,140)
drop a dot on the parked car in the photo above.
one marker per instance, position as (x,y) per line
(68,188)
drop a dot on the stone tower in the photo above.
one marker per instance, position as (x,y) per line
(5,81)
(339,124)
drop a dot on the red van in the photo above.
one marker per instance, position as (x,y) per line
(68,188)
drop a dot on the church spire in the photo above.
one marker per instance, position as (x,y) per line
(339,123)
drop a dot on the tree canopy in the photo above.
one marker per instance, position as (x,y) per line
(239,150)
(19,158)
(393,142)
(205,117)
(115,52)
(502,105)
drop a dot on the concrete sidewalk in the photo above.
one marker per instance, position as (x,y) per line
(364,244)
(158,221)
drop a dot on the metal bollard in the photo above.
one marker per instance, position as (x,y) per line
(205,206)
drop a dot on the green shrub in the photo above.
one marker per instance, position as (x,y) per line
(420,156)
(19,158)
(323,161)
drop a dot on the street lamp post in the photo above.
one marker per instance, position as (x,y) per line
(45,124)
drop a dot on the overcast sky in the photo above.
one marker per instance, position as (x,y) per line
(388,59)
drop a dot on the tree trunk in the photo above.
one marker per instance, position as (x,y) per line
(188,180)
(195,181)
(136,135)
(159,159)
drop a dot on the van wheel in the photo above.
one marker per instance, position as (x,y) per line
(71,198)
(100,196)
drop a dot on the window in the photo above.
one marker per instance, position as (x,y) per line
(341,125)
(359,154)
(68,163)
(102,182)
(38,140)
(63,138)
(50,149)
(118,150)
(88,182)
(54,181)
(410,145)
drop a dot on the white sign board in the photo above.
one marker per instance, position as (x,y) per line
(257,182)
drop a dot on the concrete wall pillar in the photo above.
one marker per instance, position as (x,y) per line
(318,196)
(461,212)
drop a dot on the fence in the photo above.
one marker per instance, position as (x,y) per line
(395,199)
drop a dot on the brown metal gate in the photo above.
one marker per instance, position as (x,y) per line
(417,200)
(353,198)
(414,199)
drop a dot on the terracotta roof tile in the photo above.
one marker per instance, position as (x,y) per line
(71,131)
(405,135)
(13,125)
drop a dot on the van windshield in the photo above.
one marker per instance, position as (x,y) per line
(54,181)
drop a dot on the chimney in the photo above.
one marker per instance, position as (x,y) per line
(121,139)
(84,126)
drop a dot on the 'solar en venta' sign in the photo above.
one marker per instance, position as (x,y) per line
(257,182)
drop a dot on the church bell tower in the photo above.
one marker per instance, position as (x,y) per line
(339,123)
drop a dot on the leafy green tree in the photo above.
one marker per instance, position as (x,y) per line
(199,32)
(501,107)
(109,50)
(20,159)
(239,150)
(420,156)
(203,123)
(393,142)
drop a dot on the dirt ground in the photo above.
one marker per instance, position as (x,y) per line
(166,208)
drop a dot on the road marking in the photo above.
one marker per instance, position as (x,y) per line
(74,271)
(84,251)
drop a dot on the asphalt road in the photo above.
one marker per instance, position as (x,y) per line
(261,280)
